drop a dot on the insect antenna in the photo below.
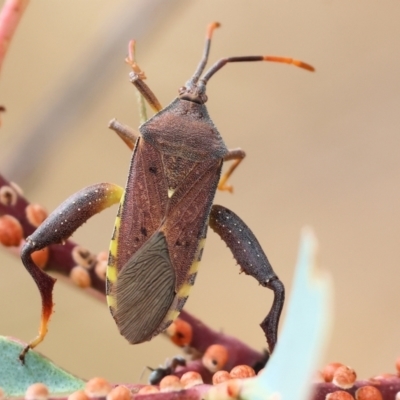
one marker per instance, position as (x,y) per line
(202,64)
(286,60)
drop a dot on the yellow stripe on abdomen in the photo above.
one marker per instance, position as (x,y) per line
(112,272)
(184,290)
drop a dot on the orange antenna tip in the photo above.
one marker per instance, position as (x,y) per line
(292,61)
(210,29)
(303,65)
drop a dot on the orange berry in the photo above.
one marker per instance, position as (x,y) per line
(97,387)
(190,379)
(35,214)
(215,357)
(40,257)
(78,395)
(329,370)
(120,392)
(80,276)
(221,376)
(242,371)
(148,389)
(339,395)
(344,377)
(170,383)
(37,391)
(368,393)
(11,232)
(180,332)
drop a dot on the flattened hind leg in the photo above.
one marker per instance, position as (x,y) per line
(253,261)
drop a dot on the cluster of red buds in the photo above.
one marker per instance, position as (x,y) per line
(339,384)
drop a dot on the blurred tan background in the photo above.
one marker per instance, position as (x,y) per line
(322,150)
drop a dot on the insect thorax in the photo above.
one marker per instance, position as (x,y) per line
(184,129)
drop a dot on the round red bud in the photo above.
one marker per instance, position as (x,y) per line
(339,395)
(329,370)
(35,214)
(148,389)
(368,393)
(78,395)
(242,371)
(170,383)
(344,377)
(97,387)
(221,376)
(37,391)
(215,357)
(80,276)
(11,232)
(190,379)
(180,332)
(120,392)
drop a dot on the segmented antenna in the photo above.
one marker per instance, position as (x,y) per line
(203,62)
(286,60)
(219,64)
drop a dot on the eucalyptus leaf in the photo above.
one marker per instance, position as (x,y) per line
(294,362)
(289,371)
(16,377)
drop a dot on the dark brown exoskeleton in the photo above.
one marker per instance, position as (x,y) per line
(164,213)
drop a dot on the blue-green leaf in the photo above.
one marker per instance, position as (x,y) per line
(291,367)
(16,377)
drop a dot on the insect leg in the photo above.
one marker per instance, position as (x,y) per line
(57,228)
(253,261)
(137,77)
(126,133)
(234,154)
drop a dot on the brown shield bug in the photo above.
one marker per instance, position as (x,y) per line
(164,213)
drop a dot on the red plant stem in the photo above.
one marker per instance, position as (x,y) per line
(10,16)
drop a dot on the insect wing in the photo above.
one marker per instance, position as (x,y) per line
(145,290)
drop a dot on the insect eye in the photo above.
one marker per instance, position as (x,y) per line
(182,90)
